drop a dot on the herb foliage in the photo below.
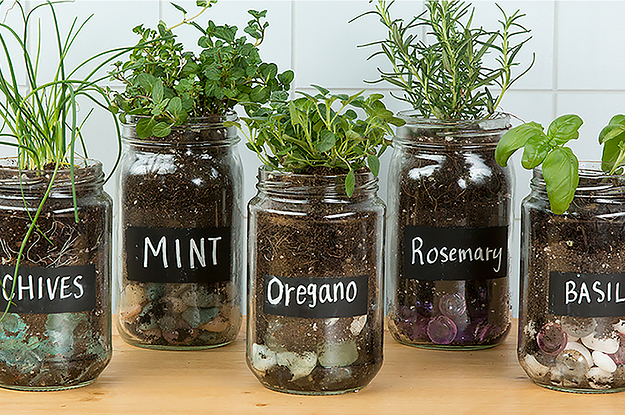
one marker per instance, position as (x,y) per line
(43,122)
(446,77)
(321,132)
(166,86)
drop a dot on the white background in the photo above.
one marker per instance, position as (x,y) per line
(580,61)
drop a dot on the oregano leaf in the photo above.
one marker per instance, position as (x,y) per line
(144,127)
(350,182)
(161,129)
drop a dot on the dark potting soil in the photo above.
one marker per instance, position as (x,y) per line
(182,183)
(333,240)
(463,188)
(48,351)
(590,240)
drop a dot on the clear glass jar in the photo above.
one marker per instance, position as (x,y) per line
(181,234)
(449,217)
(572,307)
(57,334)
(315,257)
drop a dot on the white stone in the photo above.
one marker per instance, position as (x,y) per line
(358,324)
(338,354)
(599,378)
(262,357)
(607,345)
(300,365)
(620,326)
(572,339)
(534,367)
(604,361)
(331,321)
(580,348)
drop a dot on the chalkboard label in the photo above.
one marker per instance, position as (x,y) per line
(200,255)
(49,290)
(315,297)
(586,295)
(451,254)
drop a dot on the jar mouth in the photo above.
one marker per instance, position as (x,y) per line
(436,133)
(291,184)
(197,131)
(593,181)
(88,174)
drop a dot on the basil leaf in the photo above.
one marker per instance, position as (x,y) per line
(565,128)
(514,139)
(561,174)
(535,151)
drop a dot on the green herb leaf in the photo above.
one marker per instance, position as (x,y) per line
(516,138)
(565,128)
(144,127)
(161,129)
(535,150)
(326,142)
(561,174)
(374,164)
(179,8)
(157,91)
(350,182)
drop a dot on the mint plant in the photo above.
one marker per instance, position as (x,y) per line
(165,85)
(321,132)
(445,76)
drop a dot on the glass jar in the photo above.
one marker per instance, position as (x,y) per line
(449,217)
(315,257)
(181,231)
(572,308)
(57,333)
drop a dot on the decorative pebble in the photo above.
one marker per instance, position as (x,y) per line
(154,291)
(599,378)
(175,305)
(358,324)
(572,364)
(619,356)
(452,305)
(128,312)
(300,365)
(189,297)
(578,326)
(620,326)
(603,361)
(535,369)
(192,316)
(442,330)
(133,295)
(208,314)
(338,354)
(607,345)
(168,322)
(218,324)
(580,348)
(551,339)
(206,299)
(331,321)
(262,357)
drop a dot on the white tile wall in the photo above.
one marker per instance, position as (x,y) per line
(578,46)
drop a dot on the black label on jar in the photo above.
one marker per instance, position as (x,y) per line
(315,297)
(200,255)
(586,295)
(48,290)
(451,254)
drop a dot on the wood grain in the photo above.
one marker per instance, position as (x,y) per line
(412,381)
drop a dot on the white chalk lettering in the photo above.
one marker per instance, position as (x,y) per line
(596,287)
(354,289)
(214,241)
(584,294)
(194,252)
(78,285)
(274,300)
(64,287)
(178,255)
(162,248)
(570,291)
(21,288)
(416,250)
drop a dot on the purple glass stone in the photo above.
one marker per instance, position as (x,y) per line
(442,330)
(619,356)
(424,308)
(420,329)
(551,338)
(452,305)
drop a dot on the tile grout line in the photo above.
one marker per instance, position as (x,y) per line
(293,53)
(554,75)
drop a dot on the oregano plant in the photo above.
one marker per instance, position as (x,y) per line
(321,133)
(166,86)
(444,75)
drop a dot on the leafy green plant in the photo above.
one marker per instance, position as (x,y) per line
(612,136)
(446,77)
(166,86)
(321,132)
(43,122)
(559,165)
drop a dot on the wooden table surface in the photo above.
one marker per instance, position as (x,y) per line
(412,381)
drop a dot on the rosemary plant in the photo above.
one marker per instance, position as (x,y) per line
(166,85)
(321,132)
(444,74)
(43,123)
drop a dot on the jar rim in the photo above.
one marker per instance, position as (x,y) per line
(592,180)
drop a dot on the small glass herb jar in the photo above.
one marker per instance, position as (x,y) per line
(572,308)
(449,216)
(57,334)
(315,316)
(181,235)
